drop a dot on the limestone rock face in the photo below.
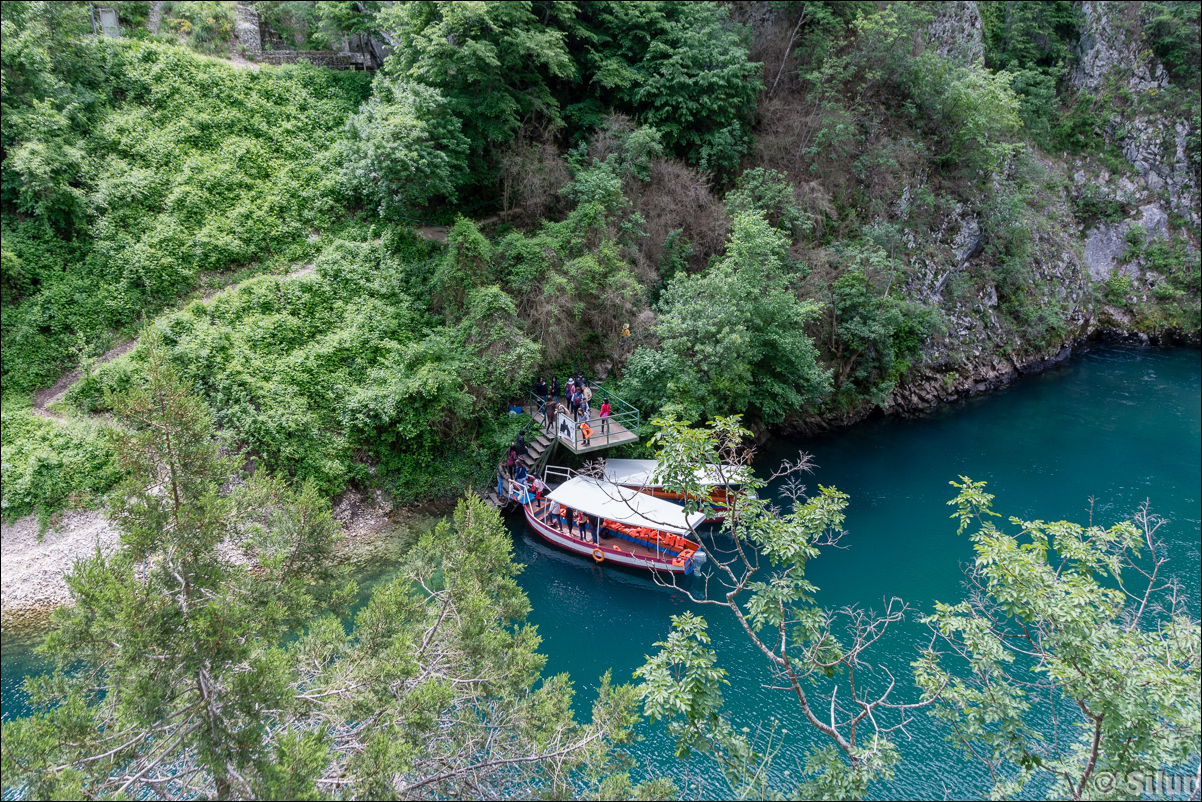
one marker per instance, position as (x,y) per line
(1156,148)
(1112,46)
(956,32)
(1110,39)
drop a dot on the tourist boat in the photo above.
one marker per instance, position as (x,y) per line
(625,527)
(640,475)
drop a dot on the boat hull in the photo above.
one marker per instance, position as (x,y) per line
(610,554)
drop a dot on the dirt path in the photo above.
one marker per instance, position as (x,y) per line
(55,392)
(435,233)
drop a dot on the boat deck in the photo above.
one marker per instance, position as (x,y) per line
(607,541)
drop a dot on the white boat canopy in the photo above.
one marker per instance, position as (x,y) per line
(624,505)
(641,473)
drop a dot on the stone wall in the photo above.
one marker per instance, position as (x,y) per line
(250,37)
(246,29)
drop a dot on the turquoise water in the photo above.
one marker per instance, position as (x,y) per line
(1118,424)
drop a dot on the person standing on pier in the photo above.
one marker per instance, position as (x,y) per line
(540,390)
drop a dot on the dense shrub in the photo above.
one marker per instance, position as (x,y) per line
(732,338)
(340,375)
(176,165)
(49,463)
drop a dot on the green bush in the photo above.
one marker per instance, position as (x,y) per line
(48,464)
(1118,287)
(182,166)
(340,377)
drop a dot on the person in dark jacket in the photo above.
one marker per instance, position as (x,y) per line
(554,391)
(540,390)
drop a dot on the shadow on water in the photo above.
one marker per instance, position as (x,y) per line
(1118,424)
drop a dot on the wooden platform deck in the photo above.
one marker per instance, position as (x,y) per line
(616,435)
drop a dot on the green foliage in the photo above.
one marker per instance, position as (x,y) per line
(1172,30)
(761,561)
(167,643)
(1029,36)
(493,62)
(1093,205)
(680,67)
(404,148)
(1075,662)
(1038,104)
(50,463)
(319,25)
(157,166)
(683,686)
(339,377)
(732,337)
(870,336)
(1013,222)
(969,114)
(1176,303)
(206,26)
(177,651)
(769,193)
(1118,287)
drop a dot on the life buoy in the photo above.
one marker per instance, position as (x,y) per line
(586,430)
(598,555)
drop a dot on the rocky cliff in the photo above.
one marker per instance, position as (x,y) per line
(1097,230)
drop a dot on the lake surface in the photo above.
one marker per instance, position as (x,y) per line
(1120,425)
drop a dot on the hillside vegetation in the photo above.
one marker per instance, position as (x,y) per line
(796,212)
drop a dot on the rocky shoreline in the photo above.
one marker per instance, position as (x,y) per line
(948,383)
(33,582)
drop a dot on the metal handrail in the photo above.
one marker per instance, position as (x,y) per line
(621,412)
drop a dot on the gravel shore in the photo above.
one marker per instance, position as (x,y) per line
(33,575)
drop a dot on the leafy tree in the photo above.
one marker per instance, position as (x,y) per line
(492,61)
(41,105)
(1075,661)
(759,559)
(868,334)
(733,336)
(171,678)
(166,658)
(769,193)
(681,67)
(404,147)
(1022,36)
(431,695)
(1172,31)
